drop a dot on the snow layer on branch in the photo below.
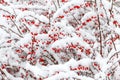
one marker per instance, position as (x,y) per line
(42,37)
(3,22)
(66,7)
(3,25)
(64,71)
(87,35)
(28,6)
(64,42)
(60,67)
(70,75)
(7,9)
(37,71)
(85,62)
(42,18)
(108,6)
(70,63)
(100,76)
(117,30)
(3,58)
(117,74)
(23,14)
(88,15)
(25,40)
(85,78)
(3,35)
(113,51)
(11,77)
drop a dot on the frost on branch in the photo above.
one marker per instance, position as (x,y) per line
(59,40)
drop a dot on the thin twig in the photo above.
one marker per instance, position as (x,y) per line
(16,26)
(26,27)
(55,5)
(105,13)
(113,43)
(12,20)
(16,33)
(11,30)
(111,8)
(100,37)
(116,53)
(75,19)
(3,74)
(58,3)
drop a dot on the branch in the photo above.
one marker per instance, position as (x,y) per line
(113,56)
(105,13)
(16,26)
(3,77)
(55,5)
(11,30)
(113,43)
(75,19)
(58,3)
(101,51)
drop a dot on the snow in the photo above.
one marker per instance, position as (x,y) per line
(70,63)
(36,70)
(3,22)
(100,76)
(117,30)
(7,9)
(66,7)
(63,42)
(86,78)
(117,74)
(23,14)
(85,62)
(25,40)
(10,76)
(61,74)
(42,18)
(3,34)
(87,34)
(37,58)
(88,15)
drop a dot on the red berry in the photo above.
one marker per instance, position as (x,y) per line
(9,41)
(115,22)
(87,51)
(83,23)
(41,60)
(64,0)
(77,6)
(61,16)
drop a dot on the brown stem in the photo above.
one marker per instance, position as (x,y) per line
(58,3)
(113,43)
(101,50)
(55,5)
(16,26)
(16,33)
(49,15)
(111,8)
(105,13)
(116,53)
(101,44)
(26,27)
(12,20)
(100,32)
(3,77)
(75,19)
(12,31)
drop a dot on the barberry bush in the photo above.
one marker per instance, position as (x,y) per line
(59,40)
